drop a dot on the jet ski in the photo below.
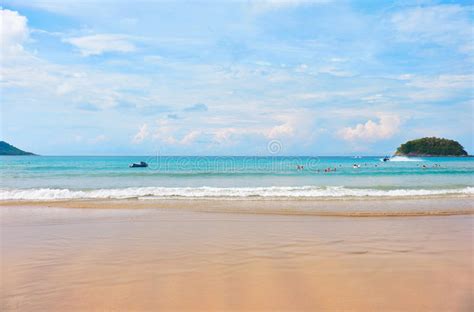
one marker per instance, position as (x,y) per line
(386,159)
(141,164)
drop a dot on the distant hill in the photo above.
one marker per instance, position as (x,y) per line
(431,147)
(7,149)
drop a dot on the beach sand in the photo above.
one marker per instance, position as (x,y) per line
(170,259)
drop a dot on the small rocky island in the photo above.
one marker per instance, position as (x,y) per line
(10,150)
(427,147)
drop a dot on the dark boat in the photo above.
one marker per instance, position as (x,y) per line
(141,164)
(386,159)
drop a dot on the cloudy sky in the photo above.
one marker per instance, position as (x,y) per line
(322,77)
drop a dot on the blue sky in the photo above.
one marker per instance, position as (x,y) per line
(83,77)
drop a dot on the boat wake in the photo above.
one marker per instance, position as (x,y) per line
(403,158)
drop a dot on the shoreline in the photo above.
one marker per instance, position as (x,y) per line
(344,207)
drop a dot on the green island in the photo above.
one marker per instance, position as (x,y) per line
(431,146)
(10,150)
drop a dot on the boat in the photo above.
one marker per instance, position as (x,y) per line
(386,159)
(141,164)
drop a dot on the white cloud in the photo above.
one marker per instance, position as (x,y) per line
(13,31)
(338,60)
(191,137)
(387,126)
(301,68)
(224,134)
(265,5)
(232,135)
(98,139)
(142,134)
(442,81)
(332,70)
(330,95)
(439,87)
(101,43)
(181,132)
(72,84)
(316,96)
(64,88)
(286,129)
(374,98)
(167,130)
(441,24)
(289,125)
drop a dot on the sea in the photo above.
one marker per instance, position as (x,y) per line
(225,177)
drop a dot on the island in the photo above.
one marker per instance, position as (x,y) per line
(10,150)
(431,146)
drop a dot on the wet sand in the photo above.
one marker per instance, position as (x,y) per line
(156,259)
(348,206)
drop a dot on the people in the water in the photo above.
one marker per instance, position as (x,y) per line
(357,166)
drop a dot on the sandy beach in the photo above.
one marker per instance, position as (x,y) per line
(195,259)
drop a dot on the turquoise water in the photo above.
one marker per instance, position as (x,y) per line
(41,177)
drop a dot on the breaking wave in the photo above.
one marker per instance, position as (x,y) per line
(216,192)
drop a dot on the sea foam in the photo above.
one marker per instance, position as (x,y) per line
(217,192)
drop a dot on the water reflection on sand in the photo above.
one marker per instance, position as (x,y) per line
(158,259)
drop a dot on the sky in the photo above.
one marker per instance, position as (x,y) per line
(270,77)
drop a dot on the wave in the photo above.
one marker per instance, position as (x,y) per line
(217,192)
